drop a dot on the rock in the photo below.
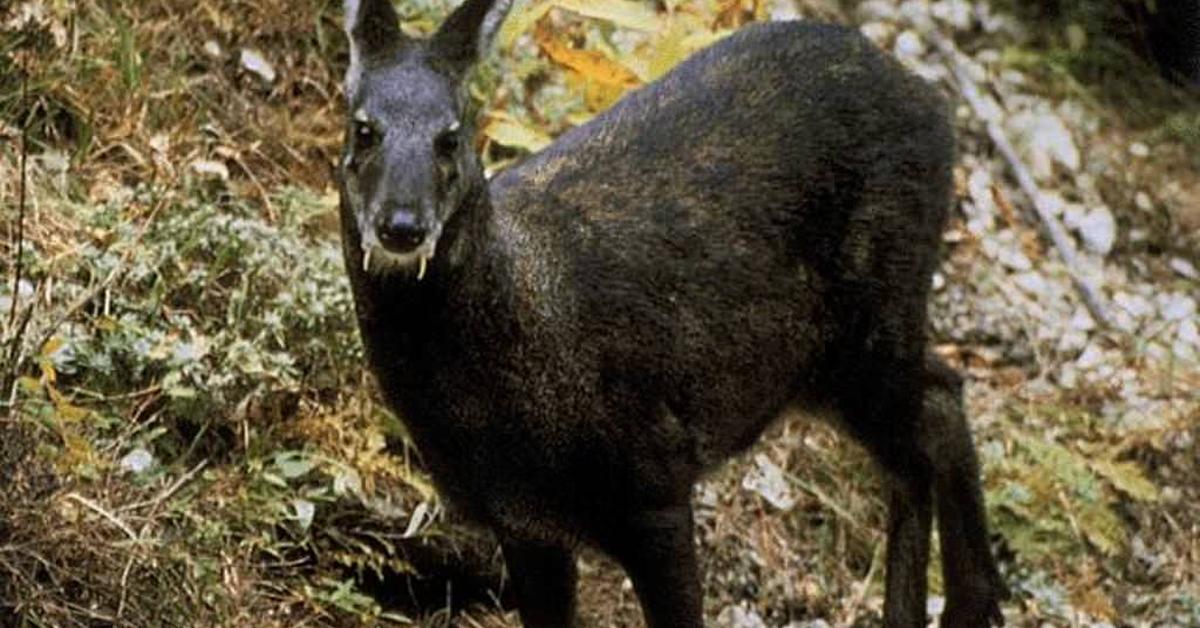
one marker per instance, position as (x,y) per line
(1045,141)
(981,211)
(254,62)
(880,33)
(1031,282)
(1187,339)
(210,169)
(956,13)
(1184,268)
(1098,229)
(138,461)
(1143,202)
(938,282)
(1092,357)
(1007,253)
(1139,149)
(767,480)
(876,10)
(305,510)
(909,45)
(213,49)
(916,13)
(1176,307)
(738,617)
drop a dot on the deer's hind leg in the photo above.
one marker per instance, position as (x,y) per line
(973,585)
(880,406)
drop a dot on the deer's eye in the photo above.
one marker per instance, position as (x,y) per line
(446,144)
(365,136)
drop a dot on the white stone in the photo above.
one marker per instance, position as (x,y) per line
(909,44)
(1176,307)
(305,511)
(872,10)
(1184,268)
(1098,229)
(739,617)
(956,13)
(254,61)
(1139,149)
(213,49)
(1091,357)
(981,211)
(1143,201)
(1082,320)
(1046,141)
(1031,282)
(767,480)
(1187,340)
(138,461)
(916,13)
(210,169)
(880,33)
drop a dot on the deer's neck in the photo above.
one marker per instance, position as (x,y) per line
(412,327)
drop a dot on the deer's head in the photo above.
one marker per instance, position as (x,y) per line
(409,160)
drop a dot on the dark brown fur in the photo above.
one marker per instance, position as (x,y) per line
(630,307)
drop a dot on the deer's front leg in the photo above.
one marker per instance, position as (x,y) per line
(658,553)
(543,578)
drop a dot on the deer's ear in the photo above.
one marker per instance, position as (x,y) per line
(468,33)
(372,27)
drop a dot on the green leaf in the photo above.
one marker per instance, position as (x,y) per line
(293,464)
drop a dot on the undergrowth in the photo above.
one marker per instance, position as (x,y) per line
(189,438)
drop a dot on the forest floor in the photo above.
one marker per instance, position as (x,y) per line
(189,439)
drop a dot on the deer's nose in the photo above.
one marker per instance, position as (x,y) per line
(401,232)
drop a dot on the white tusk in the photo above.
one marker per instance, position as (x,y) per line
(422,268)
(367,261)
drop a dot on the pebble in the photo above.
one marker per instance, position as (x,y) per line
(1176,307)
(254,62)
(1091,357)
(956,13)
(1098,230)
(739,617)
(1046,141)
(1184,268)
(767,480)
(909,44)
(1139,149)
(1143,201)
(138,461)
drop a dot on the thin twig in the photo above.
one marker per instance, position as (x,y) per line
(170,490)
(18,330)
(98,509)
(1058,236)
(16,295)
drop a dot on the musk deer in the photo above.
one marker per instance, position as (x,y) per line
(574,342)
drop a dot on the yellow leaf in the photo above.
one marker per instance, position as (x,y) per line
(624,13)
(70,413)
(669,51)
(522,20)
(30,384)
(1127,478)
(52,346)
(590,64)
(514,134)
(49,375)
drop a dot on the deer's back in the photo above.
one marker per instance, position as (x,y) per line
(731,236)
